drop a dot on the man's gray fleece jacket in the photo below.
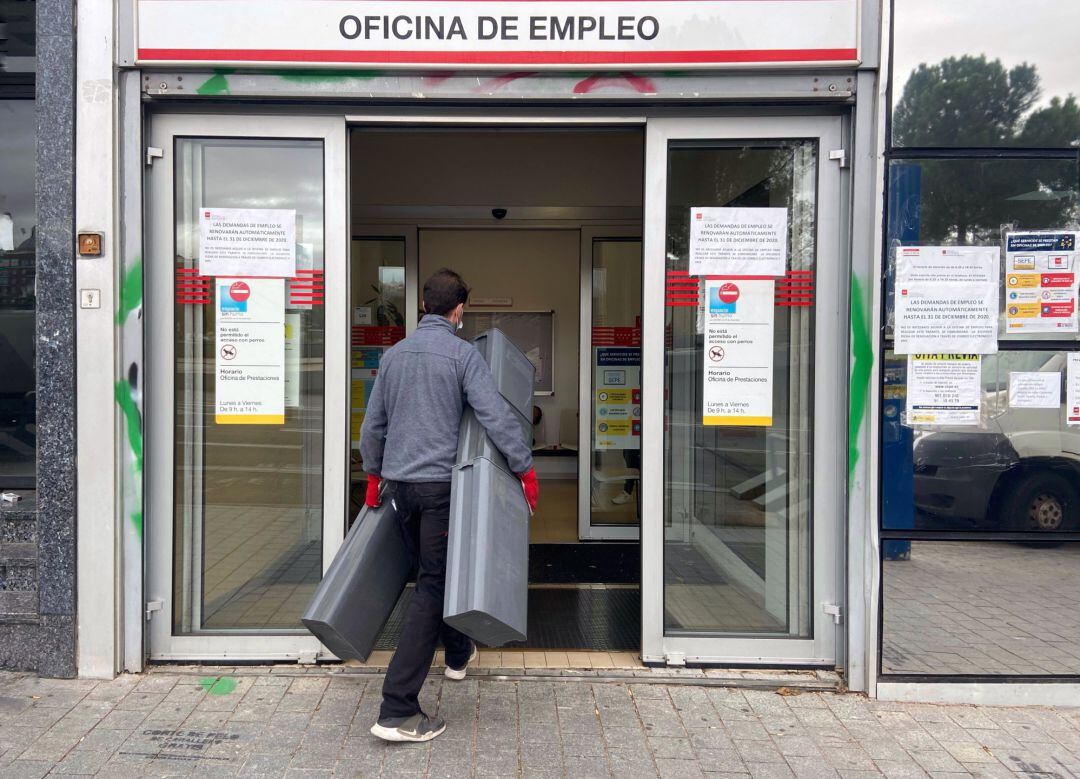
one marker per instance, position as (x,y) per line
(410,430)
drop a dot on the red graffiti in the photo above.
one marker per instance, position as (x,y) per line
(497,83)
(639,84)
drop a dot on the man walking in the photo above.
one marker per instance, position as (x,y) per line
(410,439)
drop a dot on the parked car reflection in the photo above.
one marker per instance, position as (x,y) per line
(1019,471)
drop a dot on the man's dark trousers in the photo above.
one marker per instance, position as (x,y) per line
(423,510)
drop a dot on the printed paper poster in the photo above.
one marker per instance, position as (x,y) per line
(946,299)
(738,241)
(617,397)
(943,389)
(1034,389)
(247,242)
(738,353)
(1041,282)
(1072,388)
(250,359)
(293,347)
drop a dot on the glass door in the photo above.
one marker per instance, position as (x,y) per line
(745,372)
(247,348)
(609,457)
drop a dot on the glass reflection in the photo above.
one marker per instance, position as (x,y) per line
(248,497)
(1019,470)
(972,74)
(964,608)
(737,498)
(18,411)
(967,202)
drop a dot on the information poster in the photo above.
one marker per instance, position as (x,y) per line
(738,353)
(250,359)
(617,401)
(247,242)
(944,389)
(293,346)
(365,367)
(1072,388)
(1034,389)
(946,299)
(738,241)
(1041,282)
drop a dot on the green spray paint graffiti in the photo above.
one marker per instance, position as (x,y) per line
(323,76)
(133,423)
(217,84)
(218,685)
(862,349)
(130,292)
(127,318)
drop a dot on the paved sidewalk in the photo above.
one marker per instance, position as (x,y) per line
(314,723)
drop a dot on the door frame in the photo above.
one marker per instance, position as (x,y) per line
(164,128)
(831,349)
(586,530)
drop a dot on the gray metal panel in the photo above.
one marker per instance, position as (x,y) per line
(581,86)
(473,442)
(487,565)
(514,374)
(365,580)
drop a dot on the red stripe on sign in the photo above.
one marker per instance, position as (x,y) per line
(715,56)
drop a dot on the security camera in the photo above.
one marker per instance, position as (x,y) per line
(498,213)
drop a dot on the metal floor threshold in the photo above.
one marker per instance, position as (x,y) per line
(796,681)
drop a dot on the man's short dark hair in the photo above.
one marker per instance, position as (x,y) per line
(444,291)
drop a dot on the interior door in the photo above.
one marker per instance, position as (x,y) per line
(609,416)
(247,380)
(744,376)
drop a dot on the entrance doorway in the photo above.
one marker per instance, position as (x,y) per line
(546,229)
(681,538)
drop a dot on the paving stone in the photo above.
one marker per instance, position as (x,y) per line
(678,769)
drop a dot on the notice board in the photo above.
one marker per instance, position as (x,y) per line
(533,332)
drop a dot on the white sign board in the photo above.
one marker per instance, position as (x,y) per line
(617,400)
(1034,389)
(1072,388)
(943,389)
(738,241)
(630,34)
(946,299)
(1041,282)
(250,359)
(247,242)
(738,353)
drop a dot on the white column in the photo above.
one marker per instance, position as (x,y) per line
(98,574)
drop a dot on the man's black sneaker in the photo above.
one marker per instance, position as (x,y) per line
(418,727)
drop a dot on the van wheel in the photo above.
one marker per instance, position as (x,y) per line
(1043,501)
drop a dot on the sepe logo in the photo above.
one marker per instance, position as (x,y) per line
(206,214)
(698,215)
(722,298)
(233,299)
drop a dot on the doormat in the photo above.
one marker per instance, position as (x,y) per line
(586,563)
(565,618)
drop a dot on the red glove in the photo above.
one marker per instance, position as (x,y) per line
(371,499)
(531,488)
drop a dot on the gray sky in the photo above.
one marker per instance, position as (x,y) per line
(1045,33)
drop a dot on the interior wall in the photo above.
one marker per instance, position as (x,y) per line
(539,270)
(503,167)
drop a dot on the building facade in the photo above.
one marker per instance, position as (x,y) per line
(762,437)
